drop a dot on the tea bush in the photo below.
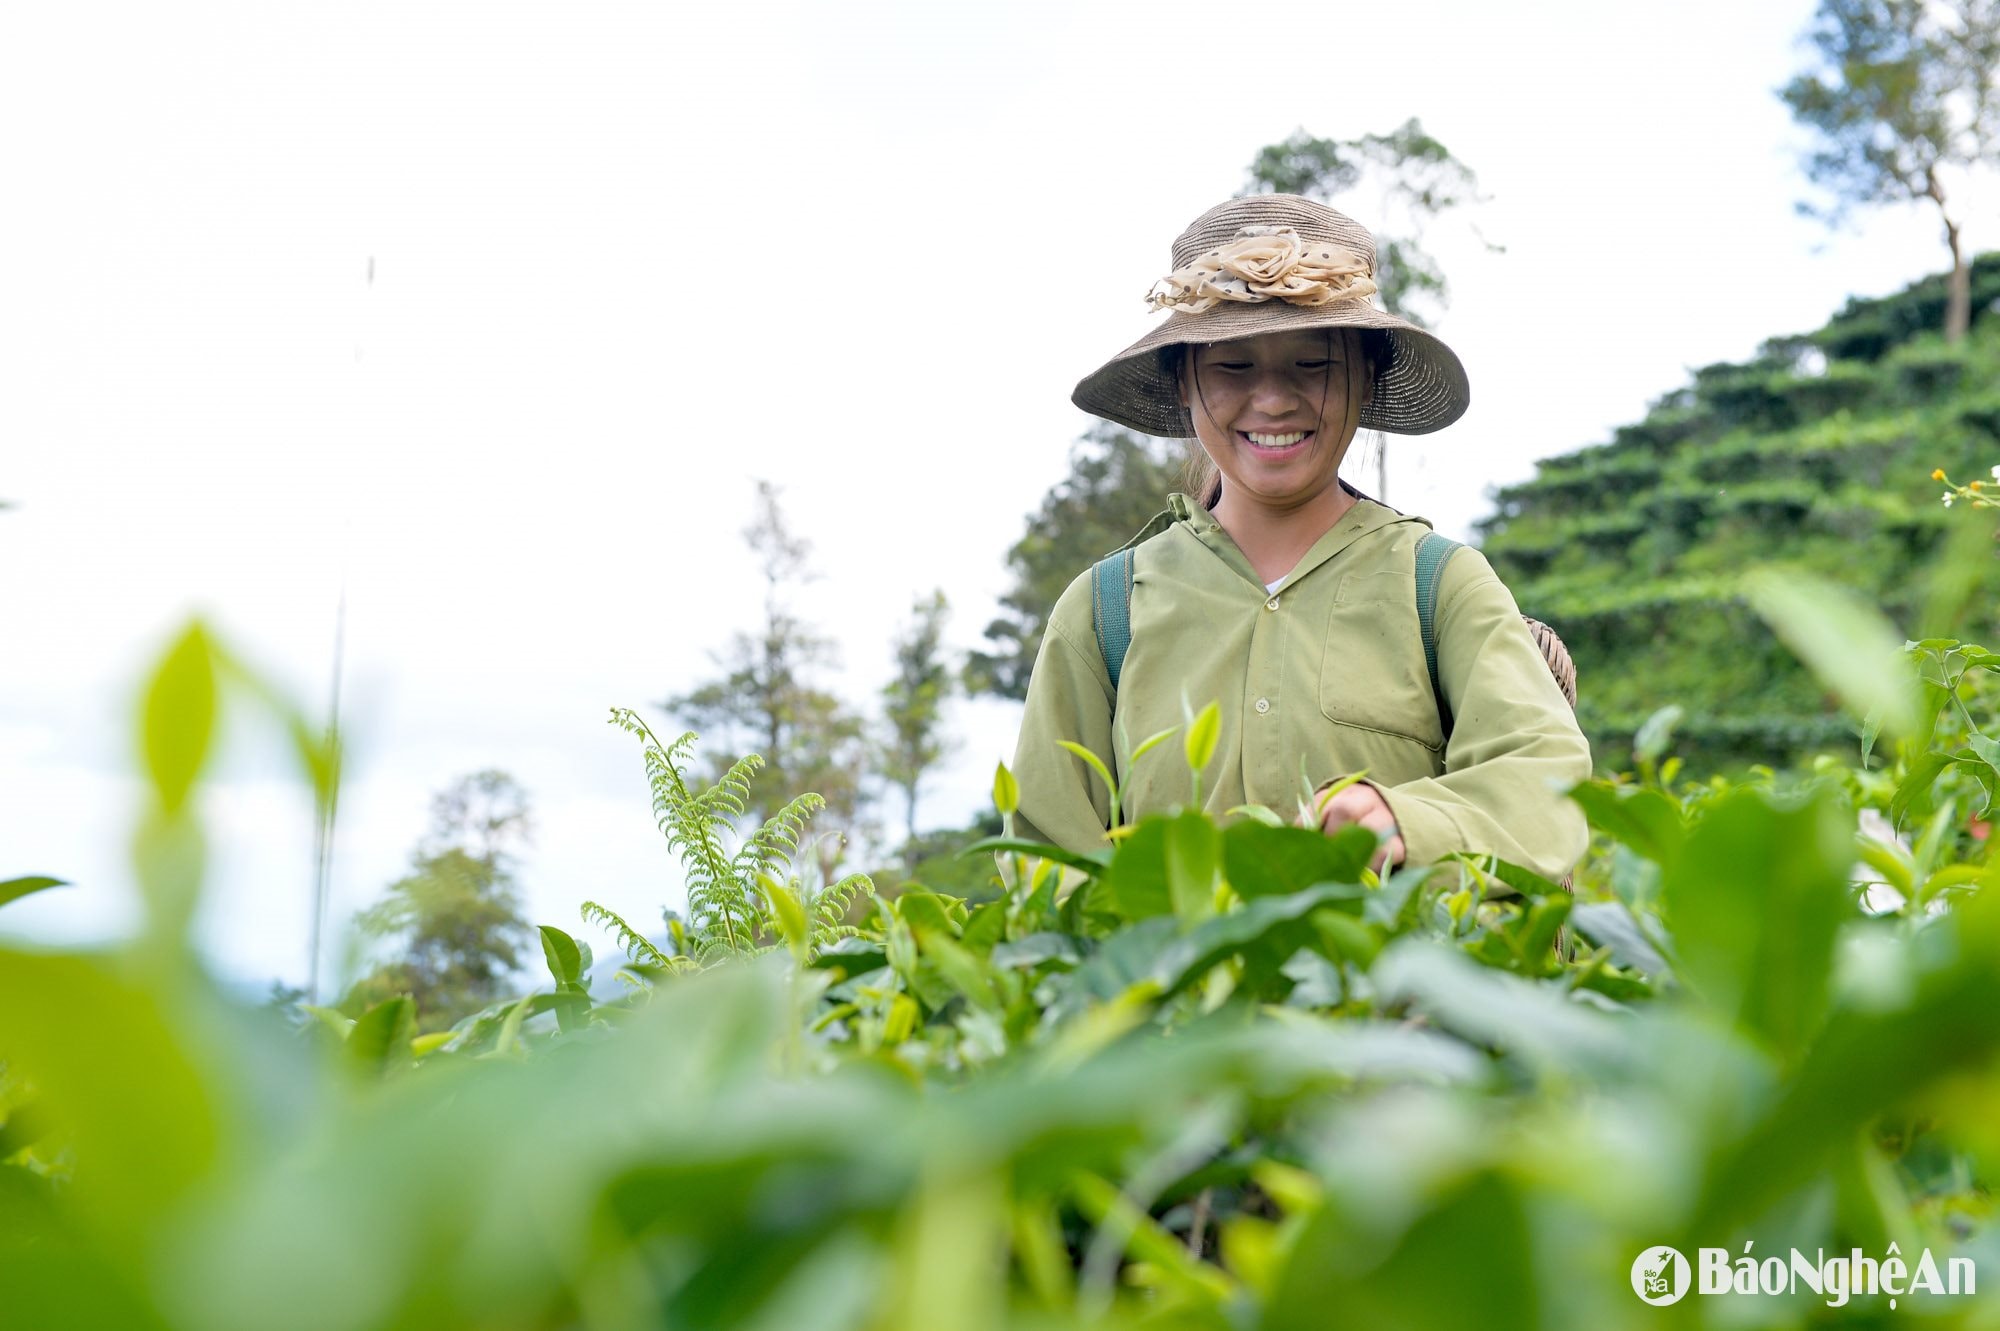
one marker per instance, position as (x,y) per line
(1809,453)
(1218,1074)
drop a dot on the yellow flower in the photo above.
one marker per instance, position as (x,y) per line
(1975,485)
(1938,475)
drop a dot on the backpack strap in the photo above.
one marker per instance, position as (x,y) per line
(1111,591)
(1433,551)
(1111,608)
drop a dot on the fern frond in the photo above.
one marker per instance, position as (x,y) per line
(724,911)
(636,944)
(631,723)
(772,846)
(719,948)
(721,912)
(691,826)
(828,912)
(832,904)
(731,790)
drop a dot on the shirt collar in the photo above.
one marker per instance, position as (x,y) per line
(1362,518)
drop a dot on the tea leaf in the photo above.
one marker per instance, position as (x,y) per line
(381,1036)
(1644,820)
(117,1073)
(1202,737)
(1263,933)
(1006,790)
(1134,885)
(985,926)
(1754,902)
(16,888)
(565,961)
(1151,742)
(178,724)
(1864,1062)
(1844,641)
(1090,864)
(789,916)
(1656,733)
(1609,923)
(1913,793)
(1096,763)
(1193,858)
(1494,1007)
(1478,1227)
(960,967)
(1262,861)
(928,910)
(1034,950)
(337,1022)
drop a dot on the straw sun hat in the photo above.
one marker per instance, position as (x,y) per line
(1273,263)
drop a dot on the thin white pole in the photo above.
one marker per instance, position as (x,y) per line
(323,829)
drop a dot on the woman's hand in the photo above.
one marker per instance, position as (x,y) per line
(1362,803)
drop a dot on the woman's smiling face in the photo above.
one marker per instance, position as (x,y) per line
(1277,412)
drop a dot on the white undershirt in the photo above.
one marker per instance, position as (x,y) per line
(1273,586)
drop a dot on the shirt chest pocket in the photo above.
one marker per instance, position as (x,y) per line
(1372,673)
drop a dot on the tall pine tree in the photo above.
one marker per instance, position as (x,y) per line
(769,699)
(454,921)
(913,705)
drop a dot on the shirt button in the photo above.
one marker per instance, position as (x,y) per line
(1271,604)
(1263,704)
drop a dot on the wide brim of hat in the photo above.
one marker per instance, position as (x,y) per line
(1424,388)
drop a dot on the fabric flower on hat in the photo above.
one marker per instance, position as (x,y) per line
(1266,263)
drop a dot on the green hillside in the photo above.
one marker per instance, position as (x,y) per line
(1818,454)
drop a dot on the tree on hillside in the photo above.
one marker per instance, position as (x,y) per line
(455,919)
(1901,95)
(913,705)
(768,700)
(1117,481)
(1418,179)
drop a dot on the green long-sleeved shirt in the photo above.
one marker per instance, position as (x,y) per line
(1329,670)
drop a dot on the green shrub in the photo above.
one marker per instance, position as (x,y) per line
(1217,1074)
(1746,397)
(1926,369)
(1666,428)
(1837,491)
(1844,386)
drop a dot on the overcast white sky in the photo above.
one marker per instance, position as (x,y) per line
(628,258)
